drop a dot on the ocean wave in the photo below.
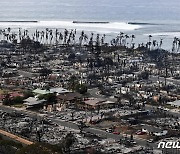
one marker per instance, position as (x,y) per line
(109,27)
(169,34)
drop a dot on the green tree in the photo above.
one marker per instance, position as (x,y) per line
(7,100)
(28,94)
(81,88)
(144,75)
(45,72)
(73,82)
(50,98)
(17,100)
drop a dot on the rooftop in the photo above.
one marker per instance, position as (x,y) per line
(175,103)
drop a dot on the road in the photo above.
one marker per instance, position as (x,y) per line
(74,126)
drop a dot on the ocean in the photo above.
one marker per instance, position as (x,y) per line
(160,18)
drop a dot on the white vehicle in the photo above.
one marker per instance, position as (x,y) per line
(165,109)
(150,140)
(109,130)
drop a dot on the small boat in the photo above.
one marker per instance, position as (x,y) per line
(20,21)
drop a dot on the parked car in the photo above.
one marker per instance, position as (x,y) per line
(117,133)
(133,142)
(140,133)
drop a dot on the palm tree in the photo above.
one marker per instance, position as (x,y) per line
(120,37)
(86,38)
(160,44)
(42,36)
(102,39)
(154,43)
(9,29)
(97,39)
(61,37)
(47,33)
(70,36)
(125,40)
(175,44)
(132,38)
(150,36)
(178,46)
(148,45)
(65,35)
(132,45)
(81,38)
(91,43)
(51,36)
(149,42)
(56,36)
(74,38)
